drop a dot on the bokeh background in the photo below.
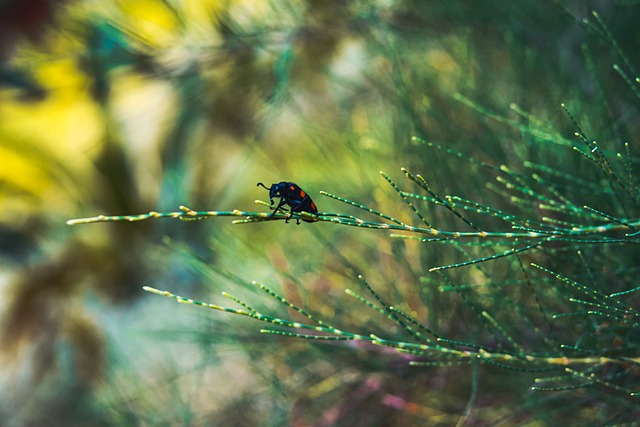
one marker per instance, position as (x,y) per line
(125,107)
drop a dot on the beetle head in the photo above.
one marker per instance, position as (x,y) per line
(274,191)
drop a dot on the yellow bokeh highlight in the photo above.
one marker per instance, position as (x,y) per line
(45,143)
(66,121)
(22,173)
(203,13)
(152,22)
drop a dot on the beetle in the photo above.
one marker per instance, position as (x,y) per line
(291,194)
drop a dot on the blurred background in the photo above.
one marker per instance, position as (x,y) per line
(125,107)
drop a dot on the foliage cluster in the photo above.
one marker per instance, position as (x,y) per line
(493,284)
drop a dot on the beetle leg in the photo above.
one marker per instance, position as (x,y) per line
(277,207)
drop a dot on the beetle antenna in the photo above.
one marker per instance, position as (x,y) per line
(259,184)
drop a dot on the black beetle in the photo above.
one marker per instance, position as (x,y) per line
(291,194)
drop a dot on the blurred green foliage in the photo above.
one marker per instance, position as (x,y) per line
(130,106)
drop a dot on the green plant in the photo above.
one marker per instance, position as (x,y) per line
(511,265)
(571,330)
